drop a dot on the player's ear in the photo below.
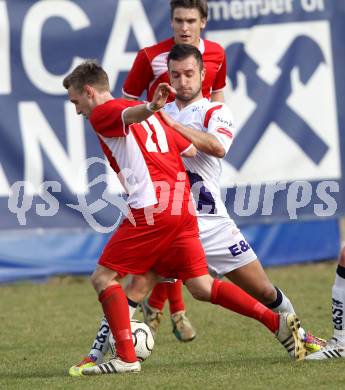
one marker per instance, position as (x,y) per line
(89,91)
(203,74)
(203,23)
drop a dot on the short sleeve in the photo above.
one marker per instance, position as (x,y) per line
(107,118)
(220,79)
(139,77)
(219,122)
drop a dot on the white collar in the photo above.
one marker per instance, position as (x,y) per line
(196,103)
(201,46)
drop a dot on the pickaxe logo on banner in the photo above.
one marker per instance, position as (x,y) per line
(271,100)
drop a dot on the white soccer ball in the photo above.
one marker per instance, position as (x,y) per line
(142,339)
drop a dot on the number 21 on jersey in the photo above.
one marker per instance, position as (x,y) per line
(160,140)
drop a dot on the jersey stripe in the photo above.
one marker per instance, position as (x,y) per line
(186,150)
(113,163)
(209,114)
(129,95)
(225,132)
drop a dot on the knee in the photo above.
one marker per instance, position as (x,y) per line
(201,289)
(137,289)
(201,294)
(98,282)
(267,293)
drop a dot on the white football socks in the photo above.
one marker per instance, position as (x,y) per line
(282,303)
(100,345)
(338,305)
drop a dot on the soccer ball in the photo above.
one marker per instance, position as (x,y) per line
(142,339)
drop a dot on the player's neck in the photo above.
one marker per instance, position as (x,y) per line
(104,97)
(195,43)
(181,104)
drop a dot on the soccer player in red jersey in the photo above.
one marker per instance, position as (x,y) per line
(188,19)
(159,238)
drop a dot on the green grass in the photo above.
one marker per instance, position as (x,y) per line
(46,328)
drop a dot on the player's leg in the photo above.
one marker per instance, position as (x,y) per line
(114,303)
(131,250)
(136,290)
(229,254)
(190,266)
(158,296)
(100,345)
(284,325)
(253,279)
(230,296)
(115,307)
(335,347)
(338,301)
(153,310)
(153,307)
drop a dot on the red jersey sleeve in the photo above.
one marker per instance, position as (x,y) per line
(220,79)
(139,77)
(182,143)
(107,118)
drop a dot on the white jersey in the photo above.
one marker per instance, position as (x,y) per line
(225,247)
(204,170)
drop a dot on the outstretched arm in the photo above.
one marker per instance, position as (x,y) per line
(141,112)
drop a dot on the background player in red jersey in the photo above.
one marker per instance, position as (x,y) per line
(188,19)
(166,243)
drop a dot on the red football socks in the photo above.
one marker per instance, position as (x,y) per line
(171,291)
(158,296)
(115,307)
(234,298)
(175,297)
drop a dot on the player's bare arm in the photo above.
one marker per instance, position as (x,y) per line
(141,112)
(204,142)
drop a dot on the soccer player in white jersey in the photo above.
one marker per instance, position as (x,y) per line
(210,129)
(335,347)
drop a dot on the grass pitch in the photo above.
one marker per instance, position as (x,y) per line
(46,328)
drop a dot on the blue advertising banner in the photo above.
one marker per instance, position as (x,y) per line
(285,86)
(285,59)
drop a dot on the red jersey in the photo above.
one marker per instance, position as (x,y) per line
(150,68)
(146,155)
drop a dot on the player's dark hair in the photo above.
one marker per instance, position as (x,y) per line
(87,73)
(200,5)
(181,51)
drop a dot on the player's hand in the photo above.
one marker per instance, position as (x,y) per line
(161,95)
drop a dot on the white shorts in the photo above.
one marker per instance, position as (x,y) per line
(225,246)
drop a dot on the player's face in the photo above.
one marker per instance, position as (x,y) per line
(187,25)
(82,102)
(186,77)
